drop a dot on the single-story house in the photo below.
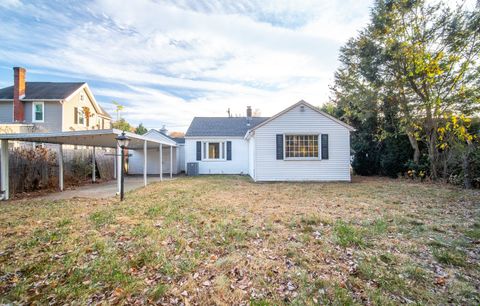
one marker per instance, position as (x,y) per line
(301,143)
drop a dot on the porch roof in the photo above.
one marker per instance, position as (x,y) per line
(97,138)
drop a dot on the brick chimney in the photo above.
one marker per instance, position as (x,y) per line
(249,112)
(18,94)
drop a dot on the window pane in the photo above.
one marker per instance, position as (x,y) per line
(38,112)
(213,150)
(301,146)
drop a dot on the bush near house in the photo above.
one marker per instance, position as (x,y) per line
(36,169)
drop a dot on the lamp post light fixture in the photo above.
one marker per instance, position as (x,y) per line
(123,142)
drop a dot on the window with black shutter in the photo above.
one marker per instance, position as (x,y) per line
(324,146)
(229,150)
(279,146)
(199,150)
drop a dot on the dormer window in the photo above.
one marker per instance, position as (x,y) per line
(37,112)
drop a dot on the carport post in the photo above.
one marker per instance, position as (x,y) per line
(94,170)
(115,165)
(161,161)
(4,165)
(171,161)
(119,168)
(145,152)
(60,167)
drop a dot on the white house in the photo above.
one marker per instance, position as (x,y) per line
(300,143)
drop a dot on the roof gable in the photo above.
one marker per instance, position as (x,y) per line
(222,126)
(306,104)
(159,135)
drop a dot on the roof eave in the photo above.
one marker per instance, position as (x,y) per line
(350,128)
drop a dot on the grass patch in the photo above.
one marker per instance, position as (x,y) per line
(450,257)
(347,235)
(224,240)
(102,218)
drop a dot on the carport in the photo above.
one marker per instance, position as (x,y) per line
(90,138)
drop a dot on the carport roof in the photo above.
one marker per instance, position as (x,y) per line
(97,138)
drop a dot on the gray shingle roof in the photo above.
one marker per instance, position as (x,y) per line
(222,126)
(43,90)
(179,139)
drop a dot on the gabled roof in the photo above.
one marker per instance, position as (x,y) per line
(302,102)
(43,90)
(56,91)
(159,135)
(222,126)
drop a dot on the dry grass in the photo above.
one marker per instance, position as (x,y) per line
(225,240)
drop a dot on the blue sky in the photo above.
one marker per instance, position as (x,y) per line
(168,61)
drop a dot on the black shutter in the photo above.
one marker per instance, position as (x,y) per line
(279,146)
(199,150)
(324,146)
(229,150)
(75,115)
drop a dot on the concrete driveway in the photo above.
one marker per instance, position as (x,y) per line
(101,190)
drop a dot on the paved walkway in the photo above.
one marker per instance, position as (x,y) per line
(101,190)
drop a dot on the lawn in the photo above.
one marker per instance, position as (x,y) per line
(225,240)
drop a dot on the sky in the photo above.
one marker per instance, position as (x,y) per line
(167,61)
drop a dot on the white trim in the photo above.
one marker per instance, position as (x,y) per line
(60,167)
(33,112)
(301,102)
(81,112)
(94,102)
(222,154)
(83,137)
(213,137)
(4,172)
(31,100)
(319,140)
(166,138)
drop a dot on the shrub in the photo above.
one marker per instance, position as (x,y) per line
(33,169)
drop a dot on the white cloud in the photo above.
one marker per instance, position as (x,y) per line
(179,59)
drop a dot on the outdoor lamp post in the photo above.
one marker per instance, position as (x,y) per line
(123,142)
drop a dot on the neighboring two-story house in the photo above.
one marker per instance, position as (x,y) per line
(49,107)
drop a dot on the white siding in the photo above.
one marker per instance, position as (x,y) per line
(238,164)
(268,168)
(251,157)
(135,165)
(181,157)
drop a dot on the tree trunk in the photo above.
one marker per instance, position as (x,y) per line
(467,176)
(416,149)
(432,150)
(445,166)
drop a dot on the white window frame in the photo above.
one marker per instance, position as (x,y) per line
(319,147)
(81,114)
(33,111)
(223,150)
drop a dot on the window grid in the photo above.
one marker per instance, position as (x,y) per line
(38,111)
(213,150)
(301,146)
